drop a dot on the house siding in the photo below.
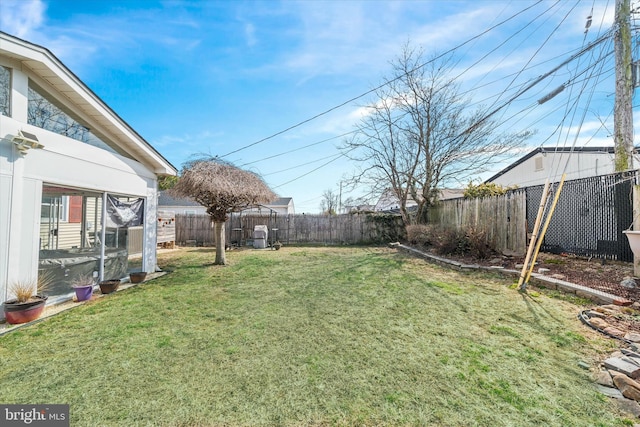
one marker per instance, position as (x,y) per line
(578,165)
(63,162)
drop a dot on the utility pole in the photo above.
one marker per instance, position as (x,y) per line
(622,110)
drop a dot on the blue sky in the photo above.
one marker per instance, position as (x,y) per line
(217,76)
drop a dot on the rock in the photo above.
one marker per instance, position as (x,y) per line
(614,331)
(630,406)
(604,378)
(543,270)
(623,302)
(593,313)
(619,365)
(629,283)
(606,311)
(628,387)
(632,336)
(599,323)
(584,365)
(559,276)
(609,391)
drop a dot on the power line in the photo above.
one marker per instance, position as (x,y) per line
(311,171)
(298,149)
(383,84)
(523,89)
(303,164)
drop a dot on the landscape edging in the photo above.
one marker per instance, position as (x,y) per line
(539,279)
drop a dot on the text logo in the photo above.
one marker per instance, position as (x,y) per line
(34,415)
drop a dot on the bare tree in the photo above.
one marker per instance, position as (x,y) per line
(221,188)
(329,202)
(420,134)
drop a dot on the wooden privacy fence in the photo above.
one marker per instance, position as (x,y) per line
(292,229)
(502,218)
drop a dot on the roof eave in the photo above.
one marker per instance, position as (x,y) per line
(39,59)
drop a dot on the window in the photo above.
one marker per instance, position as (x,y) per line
(45,113)
(538,164)
(5,91)
(54,209)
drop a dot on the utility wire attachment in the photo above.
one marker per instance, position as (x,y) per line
(588,24)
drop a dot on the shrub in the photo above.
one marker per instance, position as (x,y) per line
(450,241)
(485,190)
(469,242)
(420,234)
(478,244)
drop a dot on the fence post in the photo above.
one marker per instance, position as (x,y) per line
(636,224)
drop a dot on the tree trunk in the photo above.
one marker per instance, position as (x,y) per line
(220,244)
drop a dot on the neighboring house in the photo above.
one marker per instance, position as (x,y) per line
(388,202)
(68,164)
(182,206)
(545,163)
(281,206)
(363,208)
(187,206)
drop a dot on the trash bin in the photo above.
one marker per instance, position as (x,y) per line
(260,233)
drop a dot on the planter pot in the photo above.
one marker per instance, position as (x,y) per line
(137,277)
(83,293)
(22,312)
(634,241)
(108,286)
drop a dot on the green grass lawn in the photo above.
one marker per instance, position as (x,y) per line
(312,336)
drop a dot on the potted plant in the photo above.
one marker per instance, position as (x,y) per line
(109,286)
(29,299)
(83,286)
(137,276)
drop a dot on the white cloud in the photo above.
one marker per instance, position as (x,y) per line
(21,17)
(250,34)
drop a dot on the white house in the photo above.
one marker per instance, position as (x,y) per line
(545,163)
(280,206)
(389,202)
(77,183)
(186,206)
(183,206)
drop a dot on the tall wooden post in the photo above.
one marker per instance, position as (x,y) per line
(623,113)
(636,225)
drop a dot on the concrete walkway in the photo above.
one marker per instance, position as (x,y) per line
(66,302)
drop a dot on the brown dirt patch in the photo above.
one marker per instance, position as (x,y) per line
(603,275)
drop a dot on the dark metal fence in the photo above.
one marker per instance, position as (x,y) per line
(589,218)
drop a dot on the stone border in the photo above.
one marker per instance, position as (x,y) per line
(539,279)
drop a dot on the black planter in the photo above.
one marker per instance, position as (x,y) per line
(108,286)
(137,277)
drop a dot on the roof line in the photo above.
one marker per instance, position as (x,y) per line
(58,62)
(537,150)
